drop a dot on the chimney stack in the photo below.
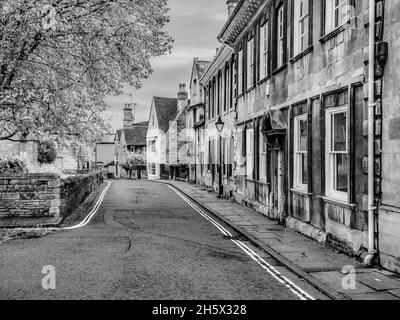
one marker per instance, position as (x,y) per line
(183,96)
(231,6)
(128,116)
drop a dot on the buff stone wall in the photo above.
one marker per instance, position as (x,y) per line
(37,199)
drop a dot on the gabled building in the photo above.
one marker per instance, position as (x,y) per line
(163,111)
(195,123)
(178,137)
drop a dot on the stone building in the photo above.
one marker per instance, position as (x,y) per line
(314,146)
(66,162)
(388,137)
(26,150)
(163,111)
(195,122)
(168,137)
(178,137)
(129,140)
(217,80)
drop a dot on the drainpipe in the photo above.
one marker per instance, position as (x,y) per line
(371,137)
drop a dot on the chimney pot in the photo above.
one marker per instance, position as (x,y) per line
(183,94)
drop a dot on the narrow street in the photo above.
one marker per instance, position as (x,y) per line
(146,242)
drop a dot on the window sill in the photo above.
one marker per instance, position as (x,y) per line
(265,79)
(301,192)
(338,202)
(281,68)
(302,54)
(335,32)
(250,89)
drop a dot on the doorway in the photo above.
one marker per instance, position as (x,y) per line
(276,194)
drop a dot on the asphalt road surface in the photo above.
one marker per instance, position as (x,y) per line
(146,242)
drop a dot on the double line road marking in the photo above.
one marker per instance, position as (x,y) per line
(290,285)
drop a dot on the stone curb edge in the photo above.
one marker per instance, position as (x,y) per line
(325,289)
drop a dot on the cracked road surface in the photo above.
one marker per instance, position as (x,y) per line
(145,242)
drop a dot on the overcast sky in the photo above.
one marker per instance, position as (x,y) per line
(194,26)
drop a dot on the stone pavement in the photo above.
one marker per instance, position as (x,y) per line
(314,262)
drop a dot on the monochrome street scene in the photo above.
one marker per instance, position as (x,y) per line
(200,150)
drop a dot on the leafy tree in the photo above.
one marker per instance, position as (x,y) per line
(134,160)
(47,152)
(12,165)
(60,58)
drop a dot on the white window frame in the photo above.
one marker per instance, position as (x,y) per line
(297,156)
(264,47)
(249,153)
(263,157)
(227,92)
(240,72)
(330,156)
(250,63)
(280,36)
(334,14)
(153,146)
(301,25)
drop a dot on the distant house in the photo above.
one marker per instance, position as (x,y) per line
(129,140)
(162,113)
(105,153)
(26,150)
(166,137)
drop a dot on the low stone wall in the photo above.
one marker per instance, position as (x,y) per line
(38,199)
(74,190)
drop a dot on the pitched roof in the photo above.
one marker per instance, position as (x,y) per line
(136,136)
(166,110)
(201,67)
